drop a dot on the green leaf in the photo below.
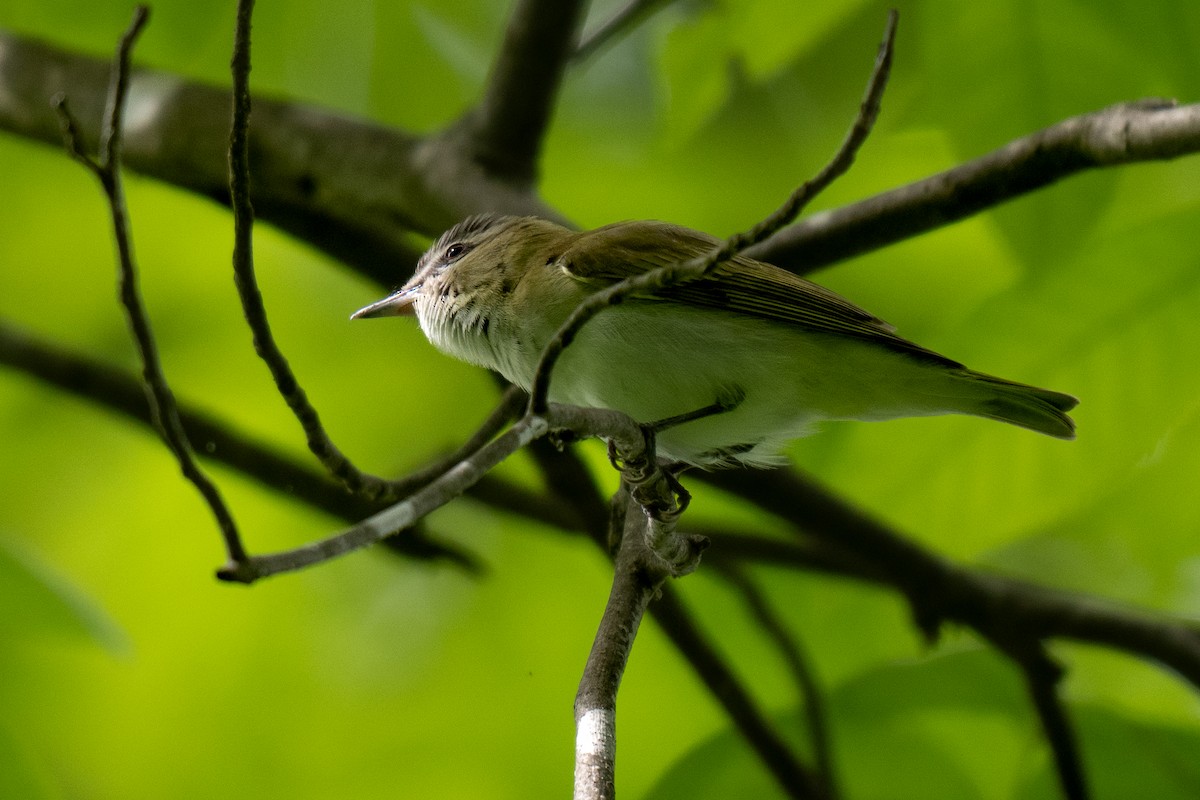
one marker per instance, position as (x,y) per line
(36,602)
(21,776)
(729,44)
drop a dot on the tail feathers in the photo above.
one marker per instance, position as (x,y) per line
(1040,410)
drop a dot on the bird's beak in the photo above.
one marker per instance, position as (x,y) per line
(397,304)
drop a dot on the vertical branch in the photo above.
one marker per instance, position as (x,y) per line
(247,284)
(1042,678)
(107,169)
(596,701)
(508,127)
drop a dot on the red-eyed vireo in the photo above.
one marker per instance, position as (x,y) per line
(780,352)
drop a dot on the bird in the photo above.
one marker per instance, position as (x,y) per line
(728,368)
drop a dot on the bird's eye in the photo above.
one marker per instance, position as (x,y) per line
(455,250)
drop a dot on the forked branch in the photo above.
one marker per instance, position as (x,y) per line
(107,169)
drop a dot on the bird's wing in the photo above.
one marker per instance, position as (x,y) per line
(741,285)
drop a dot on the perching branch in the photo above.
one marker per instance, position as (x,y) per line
(596,701)
(569,478)
(1145,130)
(107,169)
(612,425)
(640,575)
(693,269)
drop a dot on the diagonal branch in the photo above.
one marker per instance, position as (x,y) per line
(648,282)
(505,131)
(120,392)
(1146,130)
(794,656)
(621,22)
(350,187)
(355,189)
(938,590)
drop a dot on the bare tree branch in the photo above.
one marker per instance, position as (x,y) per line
(611,425)
(640,575)
(596,700)
(1146,130)
(113,389)
(1042,678)
(253,308)
(349,187)
(939,591)
(505,130)
(355,189)
(107,169)
(789,647)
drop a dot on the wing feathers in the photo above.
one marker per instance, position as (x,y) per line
(740,286)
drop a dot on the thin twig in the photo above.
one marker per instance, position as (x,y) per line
(393,519)
(655,279)
(253,308)
(1143,130)
(620,23)
(679,626)
(797,662)
(511,402)
(107,169)
(117,390)
(388,522)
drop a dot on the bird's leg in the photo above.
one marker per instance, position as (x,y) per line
(729,399)
(656,487)
(726,401)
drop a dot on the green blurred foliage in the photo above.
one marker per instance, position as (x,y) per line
(127,671)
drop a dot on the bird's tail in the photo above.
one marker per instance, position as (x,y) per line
(1039,410)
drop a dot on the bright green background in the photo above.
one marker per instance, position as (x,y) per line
(126,671)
